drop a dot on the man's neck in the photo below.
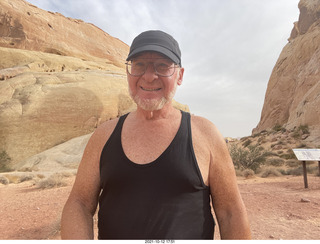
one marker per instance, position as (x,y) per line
(167,111)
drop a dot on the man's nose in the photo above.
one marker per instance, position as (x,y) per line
(150,74)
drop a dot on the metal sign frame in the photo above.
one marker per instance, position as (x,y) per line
(304,155)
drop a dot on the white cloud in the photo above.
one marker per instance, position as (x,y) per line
(228,47)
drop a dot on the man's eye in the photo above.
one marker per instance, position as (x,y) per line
(139,65)
(162,66)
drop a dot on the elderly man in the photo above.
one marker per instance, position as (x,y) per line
(155,171)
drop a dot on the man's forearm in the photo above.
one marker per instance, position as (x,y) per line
(235,227)
(76,222)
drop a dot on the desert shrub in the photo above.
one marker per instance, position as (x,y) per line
(270,172)
(299,171)
(248,173)
(251,157)
(40,176)
(18,178)
(289,155)
(246,143)
(304,129)
(4,180)
(270,154)
(296,134)
(55,180)
(301,130)
(24,178)
(313,170)
(296,171)
(238,172)
(292,163)
(13,178)
(302,145)
(278,127)
(244,138)
(4,161)
(256,135)
(275,161)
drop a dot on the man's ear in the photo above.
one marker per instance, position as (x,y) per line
(180,76)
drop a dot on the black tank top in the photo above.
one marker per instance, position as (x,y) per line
(164,199)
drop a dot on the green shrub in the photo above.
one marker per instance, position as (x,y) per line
(290,155)
(247,143)
(251,157)
(278,127)
(304,129)
(276,161)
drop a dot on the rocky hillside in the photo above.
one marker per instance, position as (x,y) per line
(293,95)
(59,79)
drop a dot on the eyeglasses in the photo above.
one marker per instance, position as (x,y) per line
(162,67)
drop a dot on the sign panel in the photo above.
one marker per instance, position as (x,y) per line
(303,154)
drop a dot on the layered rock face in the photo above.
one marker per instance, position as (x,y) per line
(24,26)
(40,107)
(293,94)
(59,79)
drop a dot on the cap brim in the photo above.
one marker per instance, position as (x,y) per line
(154,48)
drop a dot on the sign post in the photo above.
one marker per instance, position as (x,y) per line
(307,155)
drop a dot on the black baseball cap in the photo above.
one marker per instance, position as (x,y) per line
(157,41)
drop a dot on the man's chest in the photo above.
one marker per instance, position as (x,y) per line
(143,145)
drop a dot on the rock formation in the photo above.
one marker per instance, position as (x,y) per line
(293,94)
(24,26)
(59,79)
(42,106)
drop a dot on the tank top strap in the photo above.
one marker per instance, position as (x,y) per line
(117,130)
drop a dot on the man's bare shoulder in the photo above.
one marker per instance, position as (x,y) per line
(204,126)
(103,132)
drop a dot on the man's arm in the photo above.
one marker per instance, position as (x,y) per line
(226,199)
(77,215)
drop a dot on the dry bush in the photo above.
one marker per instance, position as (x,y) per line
(4,180)
(248,173)
(238,172)
(55,180)
(292,163)
(18,178)
(270,172)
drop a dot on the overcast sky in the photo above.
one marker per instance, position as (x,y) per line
(229,47)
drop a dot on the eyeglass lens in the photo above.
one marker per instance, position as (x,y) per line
(162,67)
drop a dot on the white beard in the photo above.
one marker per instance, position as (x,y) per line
(152,104)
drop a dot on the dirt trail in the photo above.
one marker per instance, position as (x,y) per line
(278,208)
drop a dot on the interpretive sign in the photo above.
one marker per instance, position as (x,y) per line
(303,154)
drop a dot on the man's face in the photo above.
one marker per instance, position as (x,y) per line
(151,91)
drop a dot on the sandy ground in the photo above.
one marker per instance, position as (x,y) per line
(278,208)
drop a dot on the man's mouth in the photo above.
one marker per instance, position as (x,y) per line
(150,89)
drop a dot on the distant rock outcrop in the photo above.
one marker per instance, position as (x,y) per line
(293,94)
(24,26)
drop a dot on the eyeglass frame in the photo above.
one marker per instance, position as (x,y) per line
(154,68)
